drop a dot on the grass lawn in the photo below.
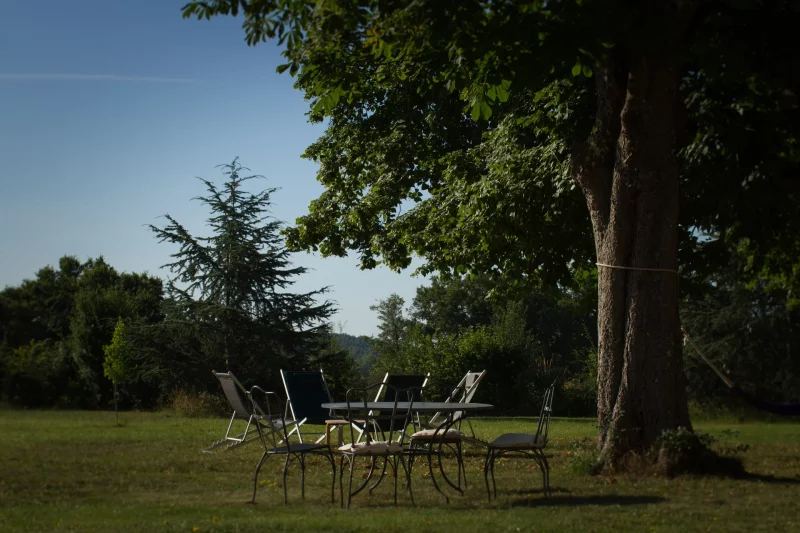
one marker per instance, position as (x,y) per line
(75,471)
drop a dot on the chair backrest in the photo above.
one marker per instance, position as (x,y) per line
(397,418)
(402,382)
(235,393)
(466,390)
(462,393)
(306,392)
(273,408)
(547,409)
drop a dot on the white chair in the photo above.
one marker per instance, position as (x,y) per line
(243,410)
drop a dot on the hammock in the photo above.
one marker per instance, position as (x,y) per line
(777,408)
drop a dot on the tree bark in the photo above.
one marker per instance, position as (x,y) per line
(628,172)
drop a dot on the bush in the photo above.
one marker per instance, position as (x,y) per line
(199,404)
(682,451)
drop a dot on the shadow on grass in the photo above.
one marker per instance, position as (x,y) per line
(574,501)
(766,478)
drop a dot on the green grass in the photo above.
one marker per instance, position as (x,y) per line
(75,471)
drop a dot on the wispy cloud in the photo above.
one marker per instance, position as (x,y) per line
(91,77)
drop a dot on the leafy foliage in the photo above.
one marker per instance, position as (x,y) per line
(751,334)
(451,126)
(116,365)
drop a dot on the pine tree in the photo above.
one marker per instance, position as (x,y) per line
(233,284)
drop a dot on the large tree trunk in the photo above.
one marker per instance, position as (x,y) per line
(628,173)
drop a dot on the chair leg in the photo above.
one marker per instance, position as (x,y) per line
(302,476)
(486,472)
(380,478)
(255,476)
(407,472)
(341,483)
(546,473)
(285,471)
(329,457)
(352,460)
(461,467)
(433,478)
(394,471)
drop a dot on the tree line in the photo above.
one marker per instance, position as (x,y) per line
(226,306)
(529,338)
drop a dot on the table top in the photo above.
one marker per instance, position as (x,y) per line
(426,407)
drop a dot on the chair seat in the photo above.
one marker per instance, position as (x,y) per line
(273,423)
(428,434)
(519,441)
(372,448)
(297,448)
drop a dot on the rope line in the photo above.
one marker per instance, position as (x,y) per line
(637,268)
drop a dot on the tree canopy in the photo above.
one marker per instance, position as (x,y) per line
(473,132)
(452,126)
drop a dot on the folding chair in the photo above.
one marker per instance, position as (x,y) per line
(306,392)
(462,393)
(531,445)
(246,410)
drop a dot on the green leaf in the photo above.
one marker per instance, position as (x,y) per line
(502,93)
(476,111)
(587,71)
(280,69)
(576,68)
(486,110)
(492,93)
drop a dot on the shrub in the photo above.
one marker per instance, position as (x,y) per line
(682,451)
(199,404)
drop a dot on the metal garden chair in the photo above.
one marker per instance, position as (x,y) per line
(388,447)
(278,444)
(531,445)
(447,432)
(415,383)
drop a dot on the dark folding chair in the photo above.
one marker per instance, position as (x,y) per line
(306,392)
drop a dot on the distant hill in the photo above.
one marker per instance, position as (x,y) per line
(359,348)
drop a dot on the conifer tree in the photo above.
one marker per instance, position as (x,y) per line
(232,286)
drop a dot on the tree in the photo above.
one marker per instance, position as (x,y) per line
(116,365)
(495,120)
(451,304)
(392,325)
(103,296)
(233,284)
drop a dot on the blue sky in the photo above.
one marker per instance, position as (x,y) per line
(108,111)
